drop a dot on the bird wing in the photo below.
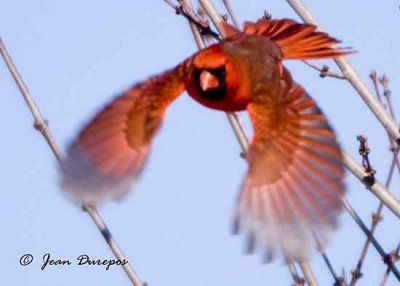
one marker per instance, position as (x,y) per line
(293,189)
(296,40)
(111,150)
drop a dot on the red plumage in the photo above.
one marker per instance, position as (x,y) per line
(292,192)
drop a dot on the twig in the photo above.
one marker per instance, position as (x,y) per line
(203,26)
(386,92)
(324,71)
(376,188)
(376,218)
(39,123)
(384,81)
(41,126)
(308,274)
(354,79)
(356,274)
(339,281)
(387,259)
(364,152)
(230,13)
(298,281)
(394,257)
(374,79)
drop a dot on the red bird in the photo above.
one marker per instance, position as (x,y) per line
(292,192)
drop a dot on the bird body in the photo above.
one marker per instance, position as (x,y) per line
(291,195)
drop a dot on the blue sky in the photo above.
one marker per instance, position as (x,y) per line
(175,226)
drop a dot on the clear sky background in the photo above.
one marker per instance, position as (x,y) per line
(175,226)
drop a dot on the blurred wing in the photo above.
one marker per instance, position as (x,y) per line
(297,40)
(293,189)
(111,150)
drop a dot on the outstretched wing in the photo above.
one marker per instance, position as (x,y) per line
(111,150)
(293,189)
(296,40)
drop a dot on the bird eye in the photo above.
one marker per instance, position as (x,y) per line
(210,83)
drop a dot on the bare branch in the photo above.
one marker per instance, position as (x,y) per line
(308,274)
(339,281)
(230,13)
(393,147)
(298,281)
(364,152)
(394,257)
(386,92)
(203,26)
(376,217)
(377,188)
(385,257)
(324,71)
(39,123)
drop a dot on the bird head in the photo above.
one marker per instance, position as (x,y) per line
(226,75)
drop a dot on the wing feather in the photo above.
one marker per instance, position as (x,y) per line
(297,40)
(297,172)
(111,150)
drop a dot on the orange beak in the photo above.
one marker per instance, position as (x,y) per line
(208,81)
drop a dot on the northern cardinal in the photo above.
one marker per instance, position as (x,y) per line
(291,194)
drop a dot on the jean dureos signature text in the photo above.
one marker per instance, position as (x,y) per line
(49,261)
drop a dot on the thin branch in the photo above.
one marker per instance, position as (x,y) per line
(339,281)
(364,151)
(374,79)
(394,257)
(230,13)
(384,81)
(354,79)
(298,281)
(39,123)
(41,126)
(308,274)
(386,92)
(387,259)
(356,274)
(203,26)
(376,188)
(195,31)
(325,71)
